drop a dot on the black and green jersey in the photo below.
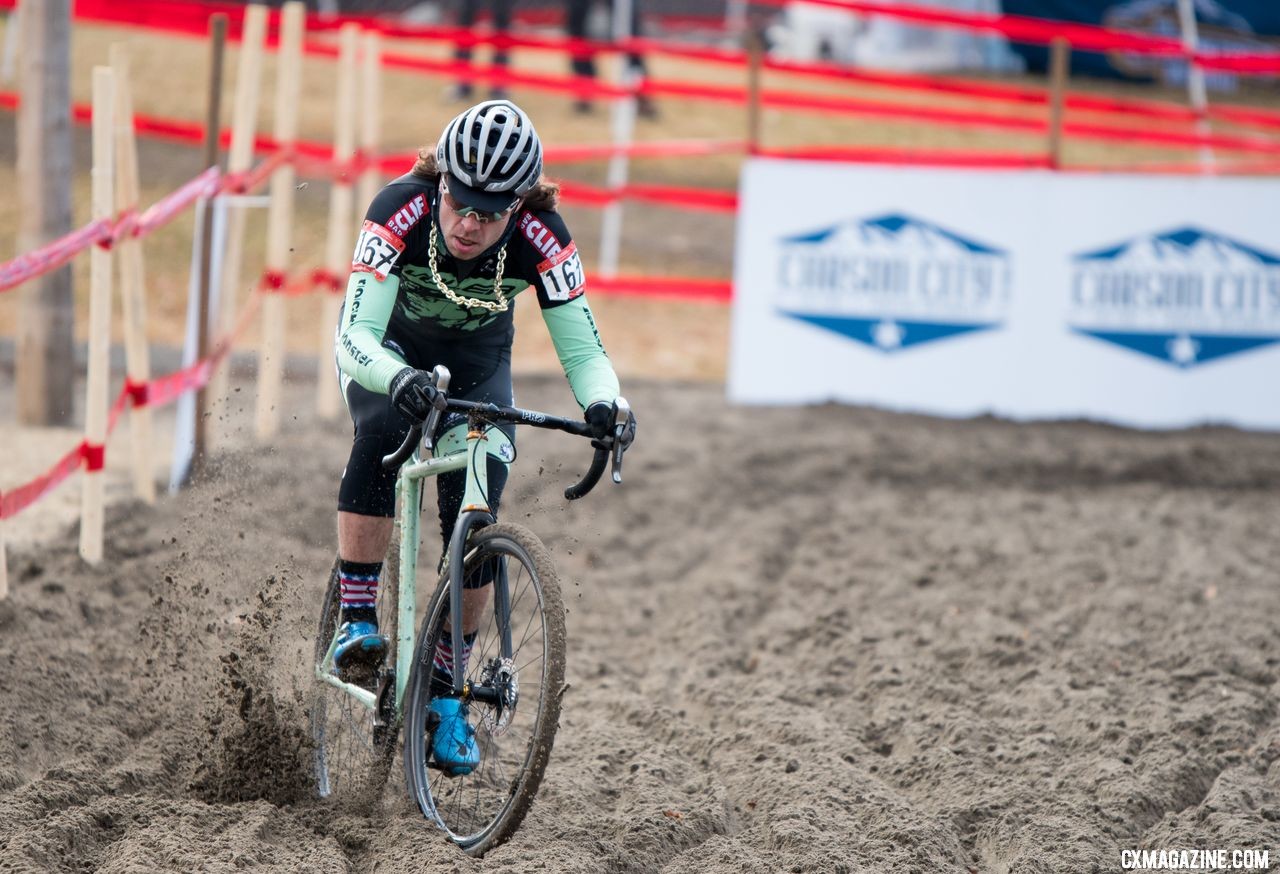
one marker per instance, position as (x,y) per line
(392,291)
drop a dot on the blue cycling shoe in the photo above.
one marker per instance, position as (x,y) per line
(359,645)
(454,748)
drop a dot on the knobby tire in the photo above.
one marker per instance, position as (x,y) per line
(526,745)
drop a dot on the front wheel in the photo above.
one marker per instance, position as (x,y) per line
(352,744)
(514,678)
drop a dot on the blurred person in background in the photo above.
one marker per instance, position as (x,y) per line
(468,11)
(583,64)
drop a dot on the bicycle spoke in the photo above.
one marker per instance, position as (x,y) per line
(482,808)
(343,731)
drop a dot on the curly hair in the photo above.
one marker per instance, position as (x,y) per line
(544,196)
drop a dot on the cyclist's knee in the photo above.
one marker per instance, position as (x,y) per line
(367,488)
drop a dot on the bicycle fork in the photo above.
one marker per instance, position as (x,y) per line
(475,513)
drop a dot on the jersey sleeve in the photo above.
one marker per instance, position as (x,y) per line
(365,314)
(553,259)
(397,221)
(581,353)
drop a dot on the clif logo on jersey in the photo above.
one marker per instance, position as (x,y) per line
(1183,297)
(408,215)
(539,235)
(892,282)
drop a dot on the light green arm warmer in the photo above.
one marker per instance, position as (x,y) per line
(577,342)
(365,314)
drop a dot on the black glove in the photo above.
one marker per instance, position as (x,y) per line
(414,393)
(600,417)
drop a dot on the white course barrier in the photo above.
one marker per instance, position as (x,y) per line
(1144,301)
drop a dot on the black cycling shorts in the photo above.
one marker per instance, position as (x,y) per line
(478,372)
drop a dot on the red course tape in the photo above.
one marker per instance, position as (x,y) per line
(713,290)
(18,499)
(94,456)
(271,281)
(192,18)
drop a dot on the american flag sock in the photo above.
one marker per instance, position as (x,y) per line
(358,582)
(443,661)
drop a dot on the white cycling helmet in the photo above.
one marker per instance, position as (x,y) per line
(492,155)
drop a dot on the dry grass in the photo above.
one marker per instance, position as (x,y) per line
(649,337)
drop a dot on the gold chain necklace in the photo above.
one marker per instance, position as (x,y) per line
(498,306)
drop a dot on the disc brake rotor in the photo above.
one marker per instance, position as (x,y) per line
(500,675)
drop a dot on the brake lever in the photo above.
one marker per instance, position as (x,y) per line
(441,375)
(617,456)
(621,413)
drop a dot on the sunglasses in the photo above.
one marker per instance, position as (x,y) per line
(482,216)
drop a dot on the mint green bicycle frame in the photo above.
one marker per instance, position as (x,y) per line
(408,497)
(449,455)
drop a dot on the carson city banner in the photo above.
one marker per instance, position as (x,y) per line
(1139,300)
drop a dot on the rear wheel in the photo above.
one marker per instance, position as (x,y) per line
(514,691)
(352,744)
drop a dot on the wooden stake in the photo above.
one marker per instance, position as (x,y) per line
(4,566)
(1059,70)
(212,134)
(755,51)
(239,159)
(341,227)
(370,117)
(271,356)
(100,263)
(45,361)
(133,292)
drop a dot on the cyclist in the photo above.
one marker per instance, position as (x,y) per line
(443,252)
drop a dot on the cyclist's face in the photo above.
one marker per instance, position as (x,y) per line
(466,236)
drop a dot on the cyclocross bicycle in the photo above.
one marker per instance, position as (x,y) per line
(505,580)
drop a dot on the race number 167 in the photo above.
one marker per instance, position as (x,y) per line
(376,250)
(562,275)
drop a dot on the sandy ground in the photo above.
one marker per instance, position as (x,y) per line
(819,640)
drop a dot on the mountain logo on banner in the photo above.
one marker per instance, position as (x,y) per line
(892,282)
(1184,297)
